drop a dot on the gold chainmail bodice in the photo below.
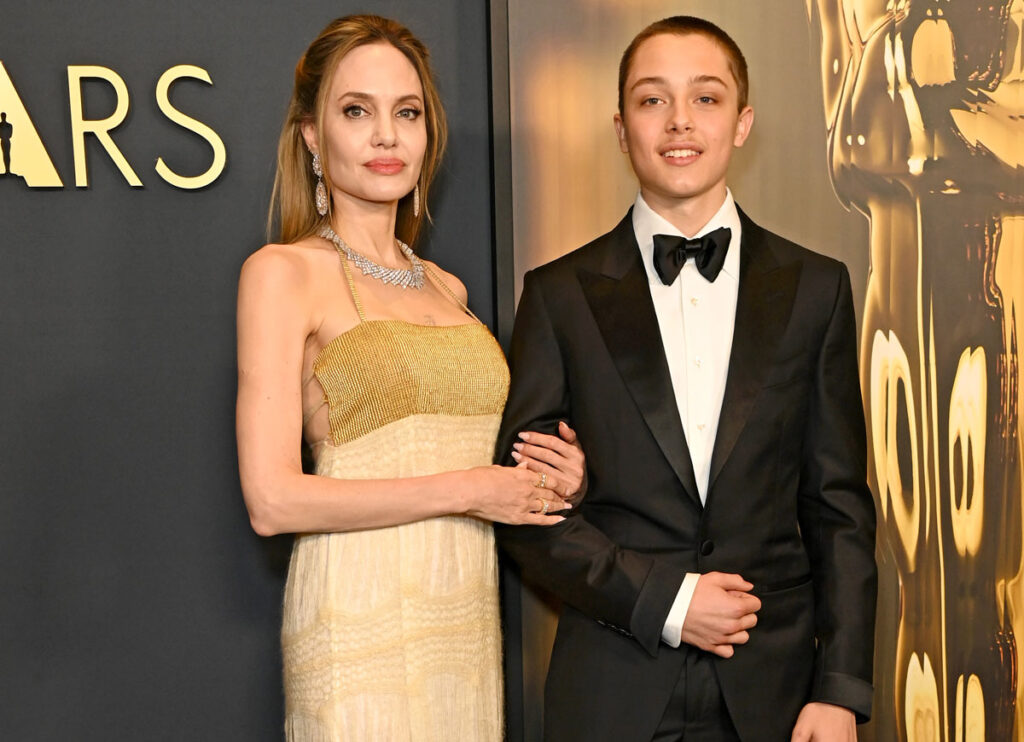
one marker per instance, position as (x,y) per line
(383,370)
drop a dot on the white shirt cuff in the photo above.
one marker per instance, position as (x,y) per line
(672,634)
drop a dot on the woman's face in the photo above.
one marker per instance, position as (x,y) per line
(374,128)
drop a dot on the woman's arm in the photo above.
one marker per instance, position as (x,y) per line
(560,458)
(275,316)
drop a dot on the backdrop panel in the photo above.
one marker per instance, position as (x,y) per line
(136,603)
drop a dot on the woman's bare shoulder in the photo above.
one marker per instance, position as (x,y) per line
(294,265)
(450,280)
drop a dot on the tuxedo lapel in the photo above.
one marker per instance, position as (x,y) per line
(763,306)
(620,301)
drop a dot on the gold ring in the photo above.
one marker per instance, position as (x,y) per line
(542,505)
(547,504)
(543,480)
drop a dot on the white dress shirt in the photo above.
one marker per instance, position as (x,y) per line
(696,318)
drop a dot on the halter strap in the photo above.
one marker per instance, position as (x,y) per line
(309,415)
(430,272)
(451,294)
(351,285)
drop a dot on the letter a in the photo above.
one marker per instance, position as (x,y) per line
(28,156)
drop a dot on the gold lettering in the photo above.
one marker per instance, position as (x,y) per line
(101,128)
(163,87)
(22,147)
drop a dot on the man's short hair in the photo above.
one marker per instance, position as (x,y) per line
(683,25)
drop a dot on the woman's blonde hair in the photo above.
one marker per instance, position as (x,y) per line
(292,201)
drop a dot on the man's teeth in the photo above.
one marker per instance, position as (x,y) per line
(681,153)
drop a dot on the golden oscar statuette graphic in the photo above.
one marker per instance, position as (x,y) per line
(924,106)
(25,156)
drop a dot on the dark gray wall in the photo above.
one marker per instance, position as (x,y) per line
(135,603)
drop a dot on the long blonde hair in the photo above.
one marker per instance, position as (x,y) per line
(292,203)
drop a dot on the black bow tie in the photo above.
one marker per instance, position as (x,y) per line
(708,252)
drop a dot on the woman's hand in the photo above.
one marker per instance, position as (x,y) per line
(559,459)
(513,495)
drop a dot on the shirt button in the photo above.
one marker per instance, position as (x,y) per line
(700,427)
(698,362)
(693,300)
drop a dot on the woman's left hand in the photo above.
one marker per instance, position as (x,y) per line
(559,459)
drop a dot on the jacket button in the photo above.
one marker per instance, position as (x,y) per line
(707,547)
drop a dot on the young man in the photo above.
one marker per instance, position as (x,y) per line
(719,578)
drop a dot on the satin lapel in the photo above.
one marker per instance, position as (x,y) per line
(620,301)
(763,307)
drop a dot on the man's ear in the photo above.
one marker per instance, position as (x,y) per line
(743,125)
(620,132)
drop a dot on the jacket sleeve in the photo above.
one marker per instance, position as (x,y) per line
(622,589)
(837,517)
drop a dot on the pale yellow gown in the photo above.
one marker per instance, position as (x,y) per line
(393,633)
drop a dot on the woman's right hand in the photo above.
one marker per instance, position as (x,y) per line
(512,495)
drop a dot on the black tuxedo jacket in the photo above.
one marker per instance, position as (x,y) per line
(787,505)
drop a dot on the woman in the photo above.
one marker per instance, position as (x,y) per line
(349,340)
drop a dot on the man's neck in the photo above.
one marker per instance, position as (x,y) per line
(688,215)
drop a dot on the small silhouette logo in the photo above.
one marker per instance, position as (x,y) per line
(6,132)
(22,153)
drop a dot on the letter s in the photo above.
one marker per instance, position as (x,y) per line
(163,87)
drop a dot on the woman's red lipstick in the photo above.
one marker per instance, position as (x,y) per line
(385,165)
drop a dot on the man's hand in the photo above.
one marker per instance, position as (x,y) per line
(720,614)
(824,722)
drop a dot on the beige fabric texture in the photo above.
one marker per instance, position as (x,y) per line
(393,633)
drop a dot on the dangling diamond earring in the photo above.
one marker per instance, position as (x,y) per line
(321,191)
(416,200)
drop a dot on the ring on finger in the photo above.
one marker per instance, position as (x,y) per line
(543,482)
(543,506)
(547,504)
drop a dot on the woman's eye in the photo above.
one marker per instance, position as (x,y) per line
(409,113)
(355,112)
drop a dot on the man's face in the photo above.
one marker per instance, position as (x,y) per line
(680,121)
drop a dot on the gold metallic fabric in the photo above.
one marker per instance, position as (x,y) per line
(383,370)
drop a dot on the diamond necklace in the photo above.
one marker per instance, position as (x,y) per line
(401,277)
